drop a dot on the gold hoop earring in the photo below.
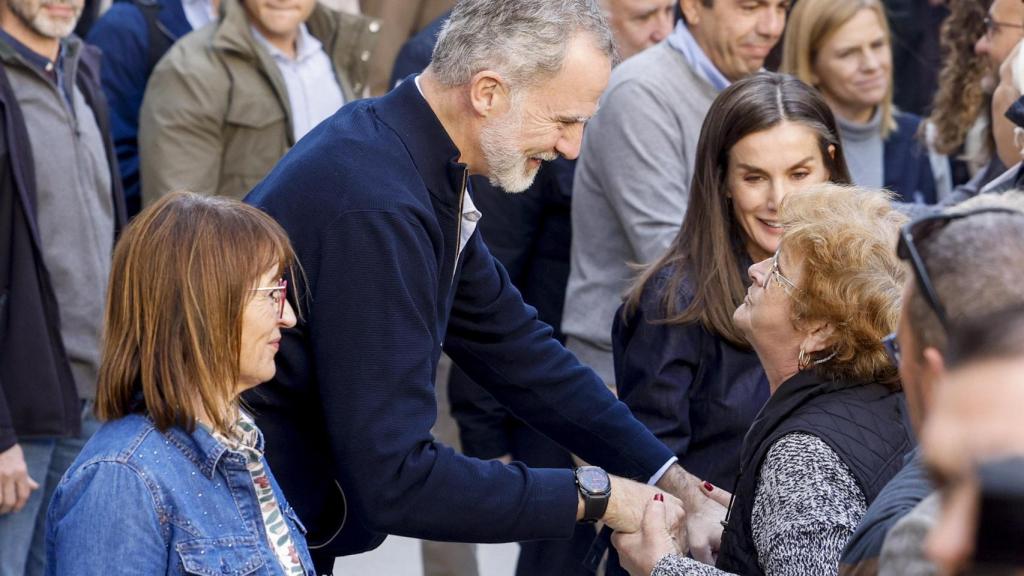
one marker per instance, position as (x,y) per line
(802,360)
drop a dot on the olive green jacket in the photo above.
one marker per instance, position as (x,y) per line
(216,116)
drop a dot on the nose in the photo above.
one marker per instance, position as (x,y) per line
(758,272)
(771,23)
(779,190)
(570,141)
(662,26)
(982,46)
(870,61)
(288,320)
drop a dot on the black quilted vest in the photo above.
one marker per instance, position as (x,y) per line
(865,424)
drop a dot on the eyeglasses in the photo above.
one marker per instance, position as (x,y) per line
(920,230)
(993,26)
(892,349)
(774,273)
(278,294)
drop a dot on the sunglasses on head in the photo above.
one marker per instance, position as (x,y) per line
(918,231)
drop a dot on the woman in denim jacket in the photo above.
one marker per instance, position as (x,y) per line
(175,481)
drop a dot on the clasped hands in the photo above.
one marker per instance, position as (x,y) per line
(665,528)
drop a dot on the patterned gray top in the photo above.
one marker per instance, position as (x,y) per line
(806,507)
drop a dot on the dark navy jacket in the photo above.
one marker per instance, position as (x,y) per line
(864,423)
(907,168)
(906,490)
(697,392)
(372,200)
(125,38)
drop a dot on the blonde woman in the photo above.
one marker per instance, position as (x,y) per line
(843,48)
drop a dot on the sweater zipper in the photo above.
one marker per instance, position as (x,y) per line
(458,228)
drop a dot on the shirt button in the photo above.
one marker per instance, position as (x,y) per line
(374,26)
(365,56)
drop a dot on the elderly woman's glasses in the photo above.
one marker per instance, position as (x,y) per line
(775,274)
(920,230)
(278,294)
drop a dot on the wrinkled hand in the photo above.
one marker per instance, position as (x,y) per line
(626,506)
(15,483)
(704,523)
(639,552)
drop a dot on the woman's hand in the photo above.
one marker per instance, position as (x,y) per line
(640,551)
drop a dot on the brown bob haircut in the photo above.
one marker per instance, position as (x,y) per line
(710,244)
(181,276)
(851,277)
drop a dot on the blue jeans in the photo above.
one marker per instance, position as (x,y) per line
(23,534)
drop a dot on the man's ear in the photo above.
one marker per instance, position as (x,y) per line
(488,93)
(819,336)
(933,368)
(691,11)
(933,364)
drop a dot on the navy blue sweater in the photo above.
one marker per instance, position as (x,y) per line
(371,200)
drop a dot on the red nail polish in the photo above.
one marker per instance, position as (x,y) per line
(709,487)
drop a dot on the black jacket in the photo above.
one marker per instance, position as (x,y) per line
(864,423)
(38,396)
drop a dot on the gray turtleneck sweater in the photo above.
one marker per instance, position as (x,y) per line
(864,150)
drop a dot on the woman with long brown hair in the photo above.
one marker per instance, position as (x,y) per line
(175,481)
(681,366)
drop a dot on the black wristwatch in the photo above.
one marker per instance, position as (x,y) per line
(596,489)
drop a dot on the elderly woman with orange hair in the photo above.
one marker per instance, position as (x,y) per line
(175,481)
(834,429)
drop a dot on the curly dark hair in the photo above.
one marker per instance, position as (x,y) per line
(960,97)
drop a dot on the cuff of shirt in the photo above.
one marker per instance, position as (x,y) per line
(661,471)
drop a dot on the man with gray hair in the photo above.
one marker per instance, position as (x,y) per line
(967,262)
(375,201)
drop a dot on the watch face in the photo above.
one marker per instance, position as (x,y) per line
(593,479)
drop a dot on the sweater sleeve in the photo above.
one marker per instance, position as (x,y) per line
(806,507)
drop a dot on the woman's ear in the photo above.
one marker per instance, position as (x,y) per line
(819,336)
(832,151)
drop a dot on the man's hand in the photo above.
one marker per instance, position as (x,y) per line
(704,515)
(640,552)
(15,483)
(626,505)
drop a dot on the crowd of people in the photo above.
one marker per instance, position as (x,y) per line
(728,286)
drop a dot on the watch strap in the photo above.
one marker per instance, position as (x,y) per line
(594,506)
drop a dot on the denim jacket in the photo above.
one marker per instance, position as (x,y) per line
(138,501)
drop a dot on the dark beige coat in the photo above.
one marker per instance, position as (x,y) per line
(216,116)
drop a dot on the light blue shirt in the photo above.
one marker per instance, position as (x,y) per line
(682,40)
(199,13)
(313,91)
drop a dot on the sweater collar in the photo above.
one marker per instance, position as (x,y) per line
(433,152)
(855,131)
